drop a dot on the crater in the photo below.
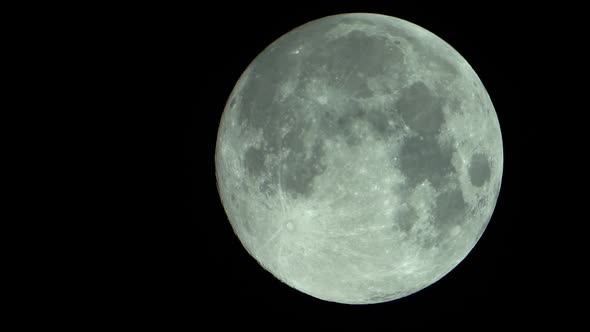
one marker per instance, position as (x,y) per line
(232,102)
(379,298)
(479,169)
(444,66)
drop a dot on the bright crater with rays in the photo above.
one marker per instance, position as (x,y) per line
(359,158)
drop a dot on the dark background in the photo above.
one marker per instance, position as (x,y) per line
(205,274)
(120,168)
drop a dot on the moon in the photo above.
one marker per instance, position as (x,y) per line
(359,158)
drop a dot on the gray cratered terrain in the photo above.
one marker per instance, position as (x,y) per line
(359,158)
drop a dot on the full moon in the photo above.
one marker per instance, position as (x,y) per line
(359,158)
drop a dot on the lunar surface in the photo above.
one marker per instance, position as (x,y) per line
(359,158)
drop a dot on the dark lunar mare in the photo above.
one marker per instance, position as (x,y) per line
(423,158)
(262,108)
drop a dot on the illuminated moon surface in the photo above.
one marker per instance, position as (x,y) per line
(359,158)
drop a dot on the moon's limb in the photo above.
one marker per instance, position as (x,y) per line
(359,158)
